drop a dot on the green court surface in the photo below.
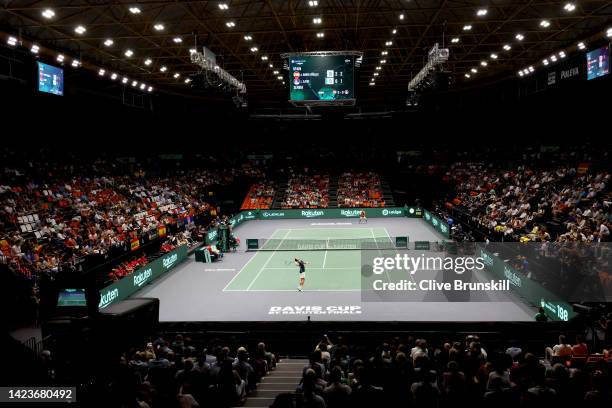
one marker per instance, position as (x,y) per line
(327,270)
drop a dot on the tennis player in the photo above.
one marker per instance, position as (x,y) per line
(302,271)
(362,217)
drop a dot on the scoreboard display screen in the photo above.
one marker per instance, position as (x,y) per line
(321,78)
(71,297)
(50,79)
(598,62)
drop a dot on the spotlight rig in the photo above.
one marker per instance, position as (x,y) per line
(207,61)
(430,74)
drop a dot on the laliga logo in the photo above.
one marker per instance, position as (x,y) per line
(141,278)
(168,262)
(386,212)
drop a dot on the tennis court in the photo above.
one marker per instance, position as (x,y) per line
(252,285)
(273,269)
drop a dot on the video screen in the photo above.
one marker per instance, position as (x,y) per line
(598,62)
(321,78)
(50,79)
(71,298)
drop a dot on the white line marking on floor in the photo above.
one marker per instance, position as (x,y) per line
(244,266)
(268,261)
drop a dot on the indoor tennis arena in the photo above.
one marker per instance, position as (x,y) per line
(305,203)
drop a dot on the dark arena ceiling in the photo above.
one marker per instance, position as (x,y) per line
(248,36)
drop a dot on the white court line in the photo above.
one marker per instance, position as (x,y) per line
(293,290)
(378,248)
(267,261)
(309,268)
(245,265)
(219,270)
(325,256)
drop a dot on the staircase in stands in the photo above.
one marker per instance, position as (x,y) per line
(386,191)
(285,378)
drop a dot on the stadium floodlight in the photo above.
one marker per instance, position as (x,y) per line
(521,73)
(394,31)
(313,3)
(320,35)
(264,57)
(271,65)
(101,72)
(545,23)
(531,68)
(545,61)
(223,6)
(248,37)
(113,76)
(474,70)
(389,43)
(372,83)
(150,89)
(142,86)
(48,14)
(177,75)
(124,80)
(134,84)
(455,40)
(192,50)
(12,41)
(279,77)
(562,54)
(76,63)
(275,72)
(80,29)
(609,32)
(135,10)
(187,80)
(484,63)
(163,68)
(383,61)
(128,53)
(507,47)
(519,37)
(230,24)
(467,75)
(581,45)
(467,27)
(148,61)
(159,27)
(569,7)
(378,68)
(401,16)
(108,42)
(553,58)
(494,56)
(60,58)
(254,49)
(482,12)
(35,48)
(317,20)
(376,74)
(177,40)
(384,52)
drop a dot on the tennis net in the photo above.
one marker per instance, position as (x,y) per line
(329,244)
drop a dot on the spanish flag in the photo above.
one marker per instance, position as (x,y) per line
(135,244)
(161,231)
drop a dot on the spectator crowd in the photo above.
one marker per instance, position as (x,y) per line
(307,191)
(260,196)
(360,190)
(522,203)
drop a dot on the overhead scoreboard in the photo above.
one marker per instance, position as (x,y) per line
(50,79)
(322,78)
